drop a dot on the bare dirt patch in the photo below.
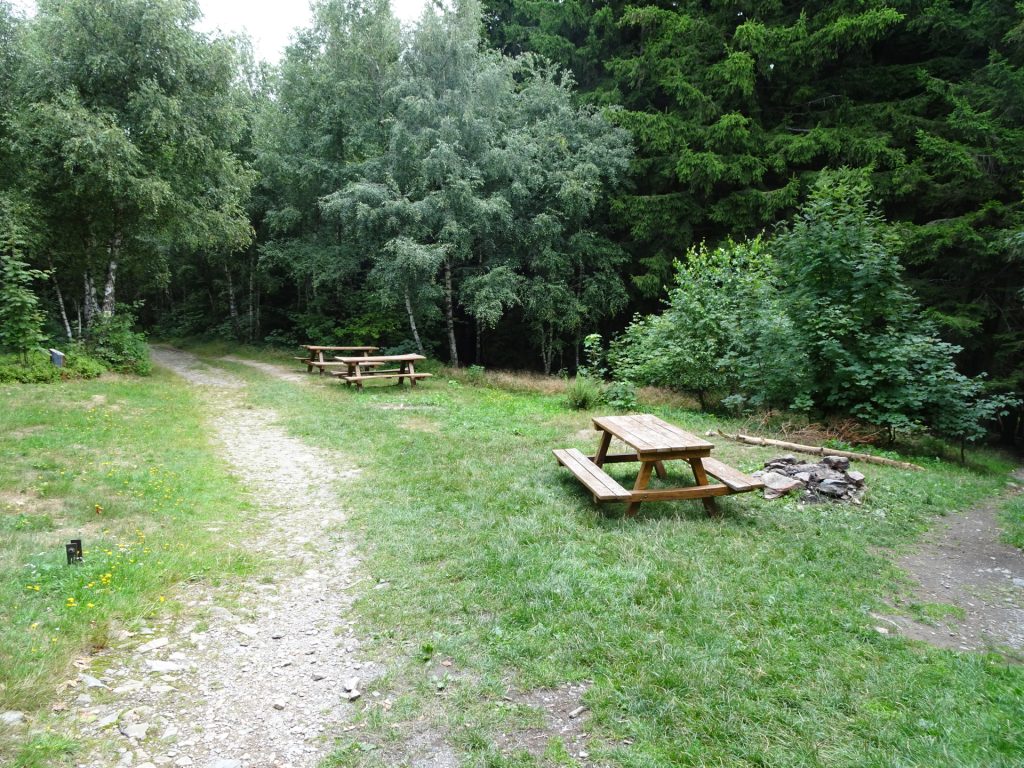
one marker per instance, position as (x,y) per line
(561,716)
(29,502)
(27,431)
(420,424)
(964,565)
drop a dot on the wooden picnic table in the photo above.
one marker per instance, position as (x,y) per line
(653,442)
(367,367)
(315,358)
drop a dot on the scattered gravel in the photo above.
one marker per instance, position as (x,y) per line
(261,684)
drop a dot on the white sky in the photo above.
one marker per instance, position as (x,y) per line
(269,23)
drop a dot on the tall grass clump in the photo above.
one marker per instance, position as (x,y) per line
(583,393)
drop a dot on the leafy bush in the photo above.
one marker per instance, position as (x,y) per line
(871,352)
(723,332)
(583,393)
(79,365)
(21,320)
(114,341)
(37,368)
(826,323)
(620,395)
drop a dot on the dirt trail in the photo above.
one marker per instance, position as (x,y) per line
(261,682)
(270,369)
(963,563)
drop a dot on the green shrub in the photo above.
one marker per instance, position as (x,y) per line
(21,319)
(114,341)
(37,368)
(723,332)
(79,365)
(620,395)
(871,352)
(475,375)
(583,393)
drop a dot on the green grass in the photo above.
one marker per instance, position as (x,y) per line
(741,641)
(1013,521)
(125,465)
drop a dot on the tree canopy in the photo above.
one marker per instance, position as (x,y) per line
(503,178)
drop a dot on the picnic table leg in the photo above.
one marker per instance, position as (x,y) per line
(659,467)
(702,479)
(320,359)
(405,367)
(602,450)
(641,484)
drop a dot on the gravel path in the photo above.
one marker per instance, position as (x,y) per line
(963,563)
(267,680)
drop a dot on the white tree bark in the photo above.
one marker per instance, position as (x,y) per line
(60,304)
(449,314)
(108,289)
(412,324)
(90,304)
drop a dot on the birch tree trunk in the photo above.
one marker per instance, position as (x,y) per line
(412,324)
(90,304)
(114,251)
(232,306)
(449,314)
(60,303)
(252,289)
(108,289)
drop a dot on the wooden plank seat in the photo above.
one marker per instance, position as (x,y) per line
(374,375)
(381,375)
(736,481)
(603,486)
(324,365)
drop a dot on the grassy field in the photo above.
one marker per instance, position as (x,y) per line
(1013,520)
(741,641)
(125,465)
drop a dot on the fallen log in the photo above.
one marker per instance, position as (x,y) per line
(817,451)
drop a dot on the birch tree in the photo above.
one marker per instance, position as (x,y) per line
(492,176)
(126,131)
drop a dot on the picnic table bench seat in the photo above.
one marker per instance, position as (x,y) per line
(730,476)
(603,486)
(380,375)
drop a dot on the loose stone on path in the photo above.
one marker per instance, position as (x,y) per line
(236,694)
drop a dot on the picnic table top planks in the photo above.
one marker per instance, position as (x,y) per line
(321,348)
(648,434)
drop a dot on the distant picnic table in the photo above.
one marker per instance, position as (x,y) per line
(368,368)
(315,356)
(653,442)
